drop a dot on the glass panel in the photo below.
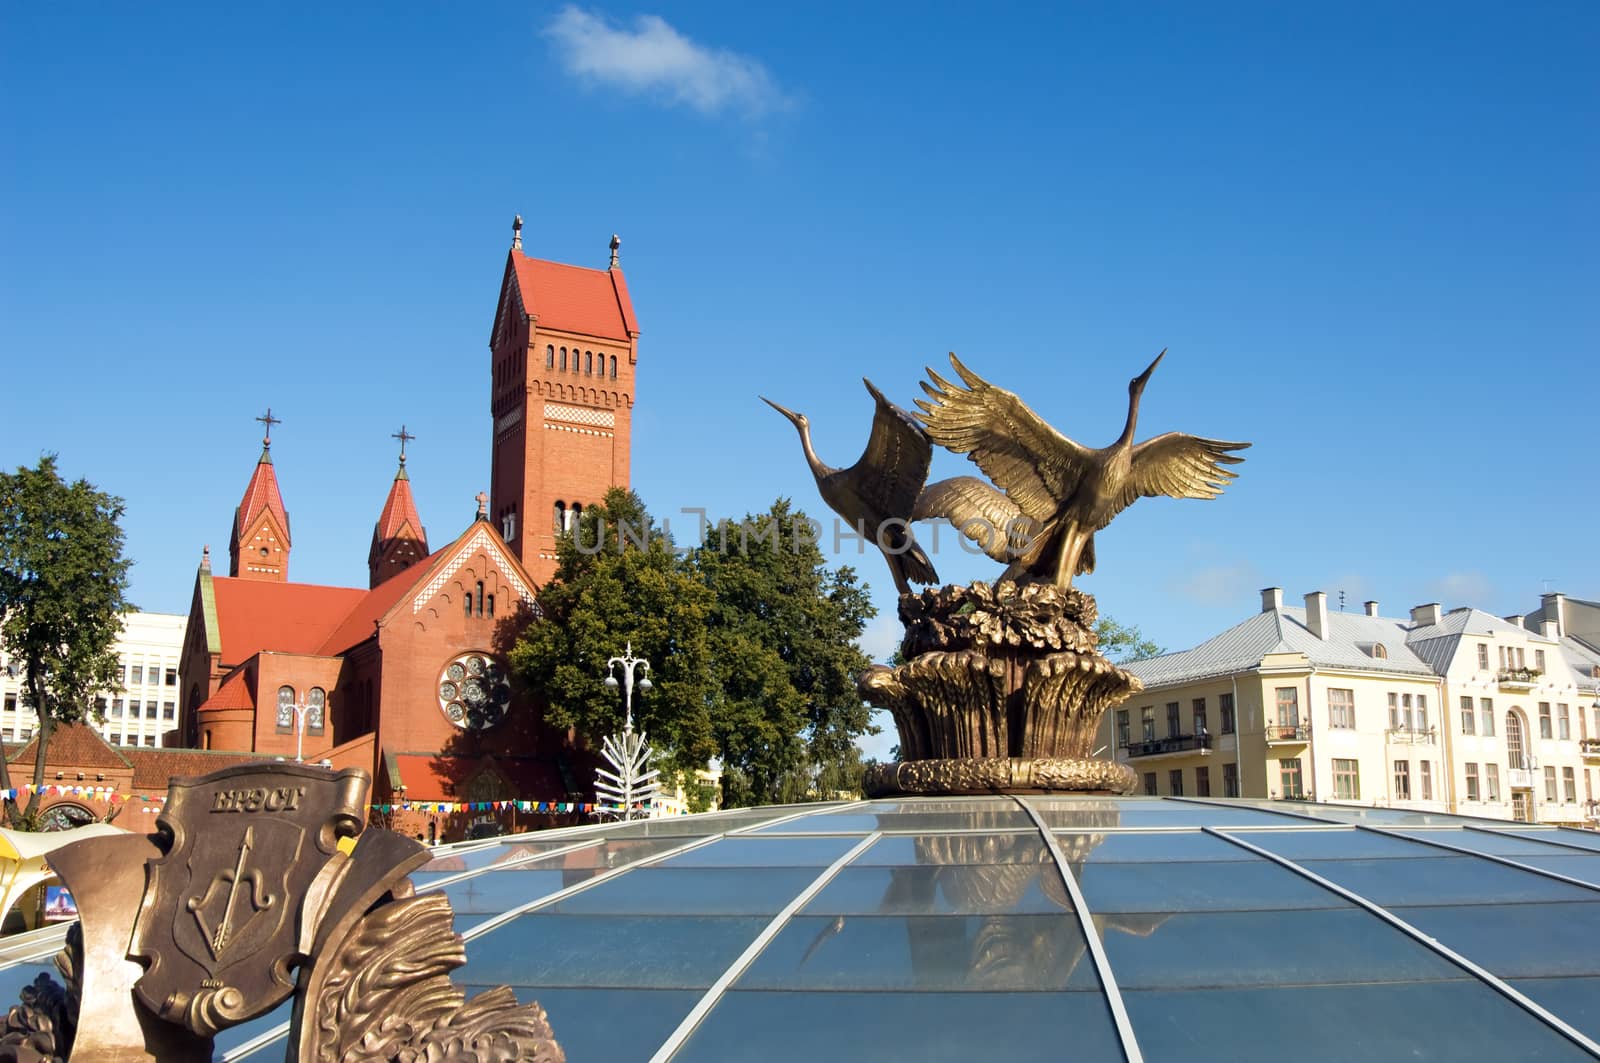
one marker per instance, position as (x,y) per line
(1577,1000)
(546,949)
(662,890)
(936,952)
(863,821)
(469,859)
(1176,815)
(1520,940)
(1583,839)
(611,854)
(1337,845)
(956,889)
(606,1024)
(1578,865)
(1161,847)
(481,896)
(901,850)
(12,979)
(872,1027)
(765,852)
(1454,1020)
(1227,949)
(1443,880)
(1496,842)
(234,1036)
(1205,887)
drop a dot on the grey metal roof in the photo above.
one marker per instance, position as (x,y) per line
(1351,637)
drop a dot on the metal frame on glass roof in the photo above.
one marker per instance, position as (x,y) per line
(1156,926)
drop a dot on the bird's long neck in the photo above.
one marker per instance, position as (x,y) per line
(1133,418)
(817,468)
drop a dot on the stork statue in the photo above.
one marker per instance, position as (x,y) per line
(1057,493)
(880,490)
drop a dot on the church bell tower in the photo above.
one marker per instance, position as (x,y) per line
(563,352)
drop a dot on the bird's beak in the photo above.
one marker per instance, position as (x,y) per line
(786,412)
(1144,378)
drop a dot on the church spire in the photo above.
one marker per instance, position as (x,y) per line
(398,539)
(259,548)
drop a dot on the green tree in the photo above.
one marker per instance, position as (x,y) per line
(1124,644)
(618,581)
(783,628)
(62,585)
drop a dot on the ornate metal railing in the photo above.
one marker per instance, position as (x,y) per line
(1288,732)
(1412,735)
(1169,744)
(1589,746)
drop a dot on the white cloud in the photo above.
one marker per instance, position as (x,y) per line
(651,57)
(1221,585)
(881,637)
(1462,588)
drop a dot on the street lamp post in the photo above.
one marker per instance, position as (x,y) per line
(632,781)
(300,710)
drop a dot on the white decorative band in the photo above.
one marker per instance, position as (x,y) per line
(580,415)
(479,541)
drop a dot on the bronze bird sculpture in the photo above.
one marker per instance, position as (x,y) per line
(1057,492)
(879,491)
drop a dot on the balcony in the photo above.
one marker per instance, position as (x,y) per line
(1170,745)
(1520,778)
(1518,679)
(1411,736)
(1288,734)
(1590,748)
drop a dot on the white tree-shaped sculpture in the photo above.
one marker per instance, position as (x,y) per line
(631,784)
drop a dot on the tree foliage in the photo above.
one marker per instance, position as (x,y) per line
(783,628)
(604,598)
(1124,644)
(62,585)
(750,638)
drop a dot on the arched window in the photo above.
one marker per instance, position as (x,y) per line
(613,367)
(317,709)
(205,739)
(1514,740)
(491,607)
(480,597)
(563,359)
(467,602)
(550,356)
(561,517)
(588,363)
(286,708)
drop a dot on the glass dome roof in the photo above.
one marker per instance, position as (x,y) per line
(1090,928)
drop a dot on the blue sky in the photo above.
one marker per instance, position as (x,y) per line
(1366,232)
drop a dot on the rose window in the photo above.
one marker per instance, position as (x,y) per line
(474,692)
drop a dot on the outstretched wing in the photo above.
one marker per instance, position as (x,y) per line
(1035,465)
(1176,465)
(981,514)
(895,464)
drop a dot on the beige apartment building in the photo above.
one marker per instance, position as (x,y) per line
(1306,703)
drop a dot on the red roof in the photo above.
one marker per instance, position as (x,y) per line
(399,509)
(357,624)
(234,693)
(593,302)
(154,768)
(256,615)
(444,777)
(75,744)
(261,493)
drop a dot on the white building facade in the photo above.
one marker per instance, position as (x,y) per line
(144,710)
(1450,712)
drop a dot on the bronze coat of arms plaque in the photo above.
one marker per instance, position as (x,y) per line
(219,928)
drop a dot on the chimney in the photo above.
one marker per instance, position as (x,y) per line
(1372,608)
(1515,619)
(1550,629)
(1423,615)
(1553,606)
(1271,599)
(1317,614)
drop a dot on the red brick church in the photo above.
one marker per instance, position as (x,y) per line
(406,677)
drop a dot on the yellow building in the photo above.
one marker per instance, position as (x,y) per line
(1304,703)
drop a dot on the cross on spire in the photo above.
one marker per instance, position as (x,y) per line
(268,420)
(483,505)
(404,437)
